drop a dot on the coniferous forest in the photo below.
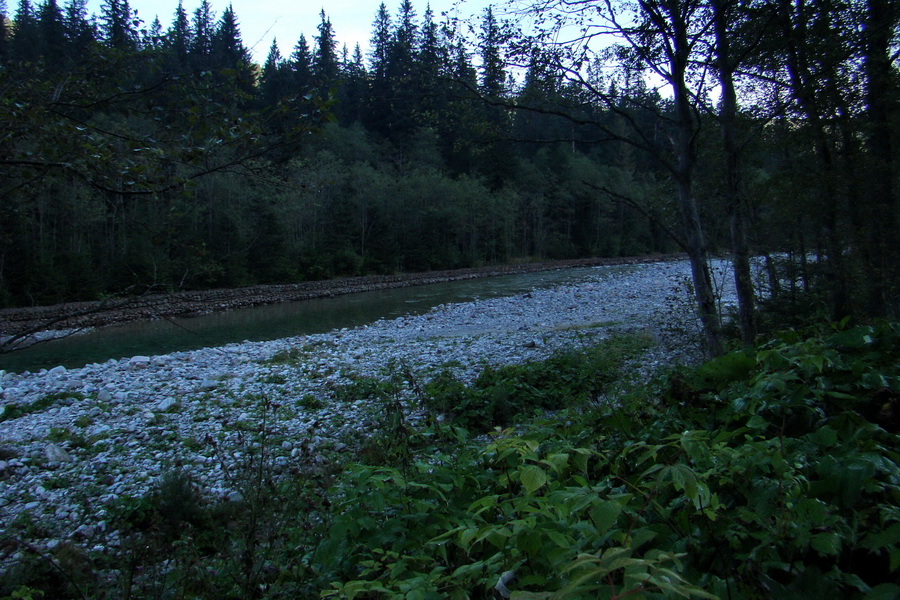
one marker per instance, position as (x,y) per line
(158,155)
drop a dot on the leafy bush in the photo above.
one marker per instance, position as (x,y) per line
(772,482)
(761,474)
(499,394)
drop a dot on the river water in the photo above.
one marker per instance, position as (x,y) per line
(280,320)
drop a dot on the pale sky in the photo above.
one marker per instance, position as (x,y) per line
(262,20)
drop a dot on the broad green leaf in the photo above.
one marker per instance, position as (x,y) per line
(604,514)
(885,591)
(559,539)
(881,539)
(757,422)
(533,478)
(557,462)
(828,543)
(580,459)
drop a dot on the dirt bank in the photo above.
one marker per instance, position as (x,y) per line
(76,315)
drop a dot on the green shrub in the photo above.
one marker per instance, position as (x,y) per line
(772,482)
(499,394)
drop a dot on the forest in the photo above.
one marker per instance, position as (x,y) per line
(137,157)
(140,156)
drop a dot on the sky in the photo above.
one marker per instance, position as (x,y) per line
(263,20)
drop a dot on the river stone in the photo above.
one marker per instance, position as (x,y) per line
(166,404)
(138,449)
(208,384)
(60,370)
(99,429)
(104,395)
(55,454)
(139,362)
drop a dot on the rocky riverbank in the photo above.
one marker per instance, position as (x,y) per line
(73,316)
(75,444)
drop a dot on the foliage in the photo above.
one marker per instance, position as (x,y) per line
(779,477)
(14,410)
(500,393)
(764,472)
(137,162)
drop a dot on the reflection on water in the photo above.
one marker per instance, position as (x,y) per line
(280,320)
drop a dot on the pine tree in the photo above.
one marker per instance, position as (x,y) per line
(326,68)
(227,47)
(23,46)
(354,91)
(179,38)
(273,84)
(301,66)
(117,24)
(380,43)
(203,29)
(80,32)
(52,39)
(493,75)
(4,33)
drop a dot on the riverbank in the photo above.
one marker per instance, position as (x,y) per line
(71,317)
(76,444)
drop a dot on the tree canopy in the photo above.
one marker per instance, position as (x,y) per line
(162,156)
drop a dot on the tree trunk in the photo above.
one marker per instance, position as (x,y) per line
(687,204)
(804,89)
(881,20)
(728,121)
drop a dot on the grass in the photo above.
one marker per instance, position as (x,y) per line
(17,410)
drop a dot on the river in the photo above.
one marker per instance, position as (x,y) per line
(280,320)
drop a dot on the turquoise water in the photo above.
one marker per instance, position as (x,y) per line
(279,320)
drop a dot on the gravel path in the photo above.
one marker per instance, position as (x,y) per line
(108,431)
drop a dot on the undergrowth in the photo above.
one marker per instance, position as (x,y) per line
(770,473)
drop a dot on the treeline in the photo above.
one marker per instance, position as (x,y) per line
(136,155)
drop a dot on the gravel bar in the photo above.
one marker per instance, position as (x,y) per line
(74,442)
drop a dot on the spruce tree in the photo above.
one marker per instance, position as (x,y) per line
(432,58)
(52,33)
(326,68)
(493,75)
(273,84)
(154,37)
(402,58)
(431,54)
(80,32)
(380,43)
(203,29)
(301,66)
(227,47)
(378,103)
(23,46)
(179,38)
(4,33)
(354,91)
(117,24)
